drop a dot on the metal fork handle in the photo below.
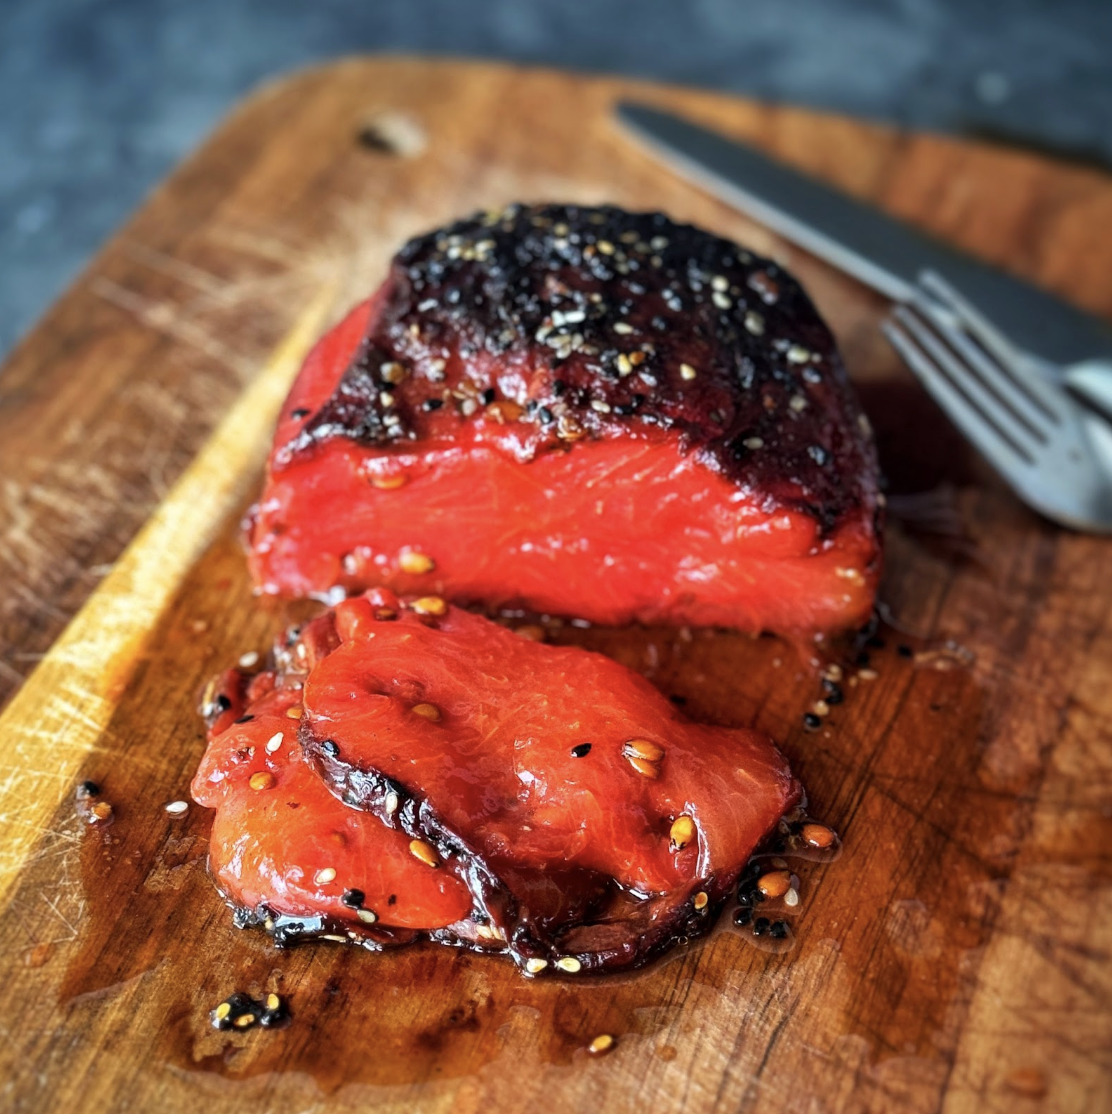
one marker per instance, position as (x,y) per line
(1092,382)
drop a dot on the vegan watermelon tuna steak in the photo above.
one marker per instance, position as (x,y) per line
(412,770)
(581,412)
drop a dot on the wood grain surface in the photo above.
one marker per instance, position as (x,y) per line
(956,957)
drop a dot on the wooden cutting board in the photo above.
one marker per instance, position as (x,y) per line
(956,956)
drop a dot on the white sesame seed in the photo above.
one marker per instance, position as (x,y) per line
(600,406)
(797,354)
(246,661)
(687,372)
(624,365)
(720,282)
(791,898)
(797,403)
(569,963)
(177,808)
(324,876)
(753,443)
(385,398)
(391,804)
(366,916)
(573,317)
(274,742)
(754,322)
(720,300)
(533,966)
(623,328)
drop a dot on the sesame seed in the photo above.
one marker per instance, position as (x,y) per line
(811,721)
(687,372)
(754,322)
(606,247)
(414,562)
(274,742)
(775,883)
(600,406)
(390,483)
(623,364)
(644,768)
(581,750)
(797,354)
(682,832)
(720,282)
(867,674)
(246,661)
(222,1011)
(569,963)
(353,898)
(366,916)
(244,1021)
(642,748)
(791,898)
(720,300)
(700,901)
(623,328)
(426,711)
(393,372)
(294,711)
(261,781)
(534,966)
(177,808)
(385,398)
(390,805)
(602,1044)
(429,605)
(419,849)
(322,877)
(753,443)
(273,1002)
(797,403)
(820,708)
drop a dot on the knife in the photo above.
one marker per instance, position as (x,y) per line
(880,251)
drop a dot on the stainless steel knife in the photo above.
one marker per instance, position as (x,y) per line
(855,237)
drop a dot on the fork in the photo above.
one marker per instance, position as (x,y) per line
(1054,452)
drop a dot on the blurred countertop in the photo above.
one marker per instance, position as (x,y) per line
(99,98)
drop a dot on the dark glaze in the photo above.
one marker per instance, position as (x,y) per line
(584,318)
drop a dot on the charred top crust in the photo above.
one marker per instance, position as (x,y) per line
(572,322)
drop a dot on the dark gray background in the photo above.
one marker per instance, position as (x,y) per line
(99,98)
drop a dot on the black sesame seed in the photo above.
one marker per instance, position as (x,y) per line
(905,651)
(300,412)
(760,926)
(546,415)
(779,929)
(392,899)
(743,916)
(677,699)
(581,751)
(330,748)
(353,898)
(835,695)
(558,387)
(88,789)
(432,404)
(488,396)
(222,702)
(245,719)
(811,721)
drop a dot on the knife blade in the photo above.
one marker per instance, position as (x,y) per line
(857,238)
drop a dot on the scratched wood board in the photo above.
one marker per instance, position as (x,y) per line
(956,957)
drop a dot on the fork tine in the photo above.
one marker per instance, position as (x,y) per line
(966,383)
(1008,392)
(1000,452)
(993,341)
